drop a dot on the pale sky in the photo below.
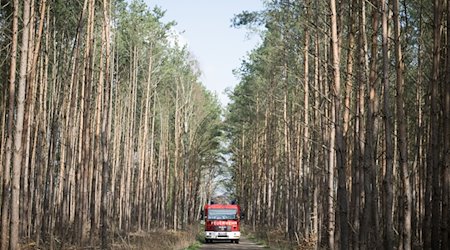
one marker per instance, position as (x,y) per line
(206,26)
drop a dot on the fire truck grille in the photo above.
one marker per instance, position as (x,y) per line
(222,228)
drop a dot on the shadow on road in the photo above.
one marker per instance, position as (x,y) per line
(243,244)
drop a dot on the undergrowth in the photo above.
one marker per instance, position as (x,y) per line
(170,240)
(275,238)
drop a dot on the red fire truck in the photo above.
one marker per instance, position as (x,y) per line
(222,222)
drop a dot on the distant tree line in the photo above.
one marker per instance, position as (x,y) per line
(105,125)
(339,128)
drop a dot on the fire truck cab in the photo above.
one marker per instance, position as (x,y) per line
(222,222)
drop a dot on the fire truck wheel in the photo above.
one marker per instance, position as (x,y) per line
(236,241)
(208,241)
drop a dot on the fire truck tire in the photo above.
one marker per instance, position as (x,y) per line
(207,241)
(236,241)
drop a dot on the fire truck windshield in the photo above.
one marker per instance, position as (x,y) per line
(222,214)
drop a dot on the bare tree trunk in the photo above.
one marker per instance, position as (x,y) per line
(358,139)
(388,178)
(187,140)
(31,122)
(84,157)
(152,175)
(41,145)
(349,72)
(303,177)
(401,130)
(435,142)
(105,134)
(446,171)
(330,180)
(143,147)
(287,173)
(177,131)
(369,225)
(6,189)
(25,196)
(18,146)
(338,124)
(316,150)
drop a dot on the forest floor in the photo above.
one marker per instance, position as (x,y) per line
(264,238)
(192,239)
(275,239)
(157,240)
(170,239)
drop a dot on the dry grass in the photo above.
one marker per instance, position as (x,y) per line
(170,240)
(158,240)
(276,239)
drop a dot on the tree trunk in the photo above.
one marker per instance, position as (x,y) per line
(446,171)
(18,146)
(6,189)
(388,178)
(330,180)
(369,225)
(435,129)
(401,130)
(105,134)
(338,124)
(305,151)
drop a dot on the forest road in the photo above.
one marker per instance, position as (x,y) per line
(244,243)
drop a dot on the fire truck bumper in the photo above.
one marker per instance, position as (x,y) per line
(211,235)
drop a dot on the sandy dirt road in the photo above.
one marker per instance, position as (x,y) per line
(244,243)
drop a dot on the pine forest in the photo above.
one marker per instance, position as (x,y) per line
(337,135)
